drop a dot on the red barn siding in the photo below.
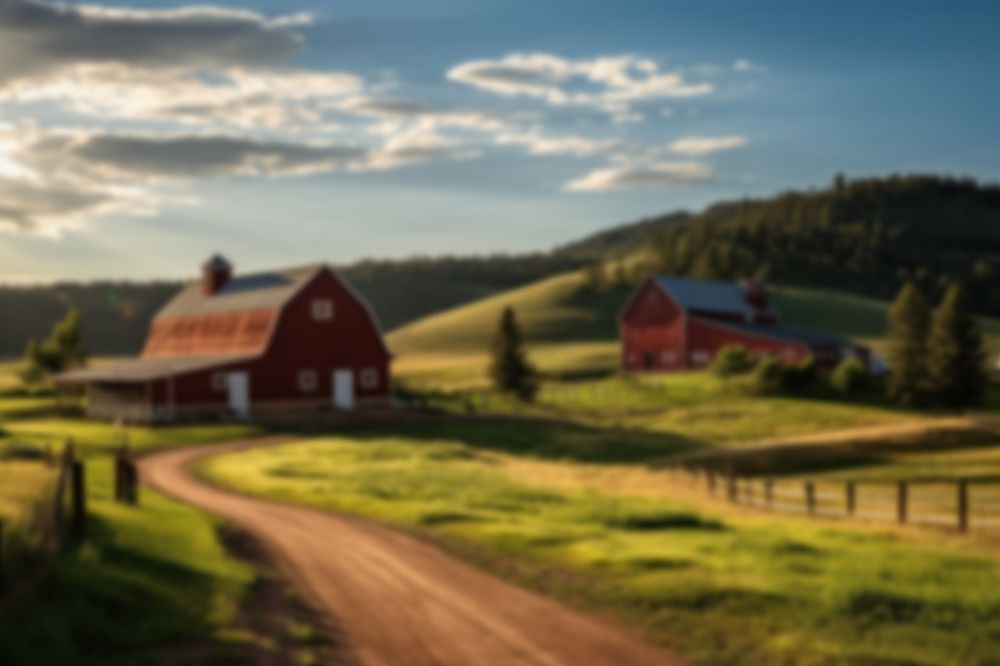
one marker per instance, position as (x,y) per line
(706,339)
(653,332)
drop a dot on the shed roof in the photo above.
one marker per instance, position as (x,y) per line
(709,295)
(803,336)
(267,289)
(148,369)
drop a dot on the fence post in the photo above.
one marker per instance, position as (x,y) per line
(963,505)
(810,489)
(78,519)
(902,495)
(769,492)
(851,498)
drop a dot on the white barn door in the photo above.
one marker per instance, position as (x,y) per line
(238,385)
(343,389)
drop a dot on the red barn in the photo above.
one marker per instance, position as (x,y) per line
(267,343)
(674,323)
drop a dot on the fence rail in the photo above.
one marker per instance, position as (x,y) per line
(962,504)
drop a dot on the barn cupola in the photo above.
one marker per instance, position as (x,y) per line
(755,294)
(215,273)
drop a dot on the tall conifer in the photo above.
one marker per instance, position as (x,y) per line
(956,375)
(909,319)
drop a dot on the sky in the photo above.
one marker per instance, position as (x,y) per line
(137,138)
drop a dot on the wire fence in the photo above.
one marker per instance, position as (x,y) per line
(962,504)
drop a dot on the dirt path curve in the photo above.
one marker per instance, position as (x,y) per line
(397,601)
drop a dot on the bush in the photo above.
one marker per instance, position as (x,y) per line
(768,376)
(850,376)
(797,376)
(733,360)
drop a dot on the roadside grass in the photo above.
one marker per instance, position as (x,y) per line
(723,586)
(147,585)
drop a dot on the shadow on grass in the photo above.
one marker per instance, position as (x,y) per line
(546,439)
(104,603)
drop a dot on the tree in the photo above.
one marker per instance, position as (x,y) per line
(909,319)
(510,369)
(956,374)
(62,350)
(850,376)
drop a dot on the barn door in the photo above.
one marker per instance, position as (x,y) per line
(238,385)
(343,388)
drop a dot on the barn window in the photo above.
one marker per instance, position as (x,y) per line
(308,381)
(322,309)
(369,378)
(700,357)
(219,381)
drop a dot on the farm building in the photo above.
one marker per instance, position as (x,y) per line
(274,342)
(674,323)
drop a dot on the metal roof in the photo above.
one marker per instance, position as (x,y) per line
(268,289)
(709,295)
(804,336)
(148,369)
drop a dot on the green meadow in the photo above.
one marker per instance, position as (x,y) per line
(722,586)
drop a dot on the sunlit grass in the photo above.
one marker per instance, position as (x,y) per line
(723,586)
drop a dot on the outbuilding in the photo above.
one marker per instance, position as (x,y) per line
(269,343)
(677,323)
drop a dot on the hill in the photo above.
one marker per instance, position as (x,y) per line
(566,308)
(864,236)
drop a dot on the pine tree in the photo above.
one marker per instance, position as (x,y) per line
(956,374)
(909,319)
(510,369)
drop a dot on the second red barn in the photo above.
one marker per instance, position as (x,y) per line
(674,323)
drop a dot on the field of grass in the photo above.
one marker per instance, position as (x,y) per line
(724,587)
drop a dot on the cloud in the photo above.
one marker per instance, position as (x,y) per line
(53,180)
(577,146)
(611,84)
(663,174)
(39,39)
(694,146)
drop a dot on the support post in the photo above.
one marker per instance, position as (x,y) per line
(810,489)
(769,492)
(851,498)
(732,489)
(963,505)
(711,482)
(902,501)
(78,518)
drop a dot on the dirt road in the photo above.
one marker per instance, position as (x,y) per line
(397,601)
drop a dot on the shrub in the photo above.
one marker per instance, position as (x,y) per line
(850,376)
(733,360)
(767,376)
(796,376)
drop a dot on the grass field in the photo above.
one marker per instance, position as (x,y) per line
(723,587)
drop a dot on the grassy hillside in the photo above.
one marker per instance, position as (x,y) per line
(565,309)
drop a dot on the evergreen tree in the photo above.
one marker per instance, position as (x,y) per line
(510,369)
(956,374)
(62,350)
(909,319)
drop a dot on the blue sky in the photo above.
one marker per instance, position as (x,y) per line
(136,138)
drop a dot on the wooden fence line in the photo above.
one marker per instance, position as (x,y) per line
(962,504)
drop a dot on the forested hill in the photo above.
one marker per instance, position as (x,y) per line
(864,236)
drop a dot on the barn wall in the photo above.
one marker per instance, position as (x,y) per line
(706,339)
(350,340)
(652,332)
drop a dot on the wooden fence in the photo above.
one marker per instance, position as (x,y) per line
(962,504)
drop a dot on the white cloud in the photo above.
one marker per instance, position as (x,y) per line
(538,144)
(694,146)
(744,65)
(611,84)
(662,174)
